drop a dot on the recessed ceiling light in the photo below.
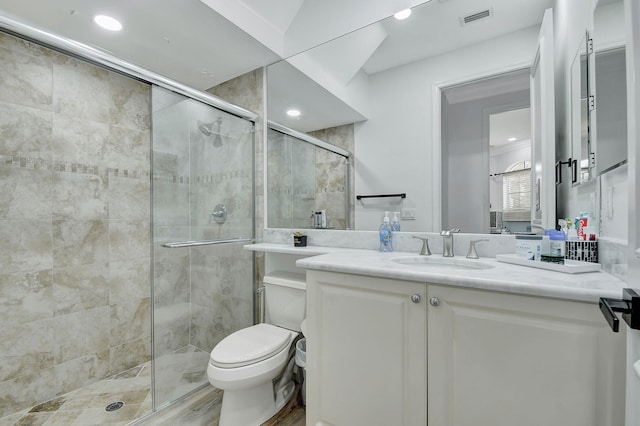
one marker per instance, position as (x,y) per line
(512,139)
(403,14)
(107,22)
(293,113)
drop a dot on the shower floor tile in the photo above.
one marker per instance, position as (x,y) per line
(86,406)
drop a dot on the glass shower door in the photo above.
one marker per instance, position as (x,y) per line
(203,214)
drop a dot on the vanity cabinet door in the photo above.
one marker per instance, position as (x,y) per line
(503,359)
(366,351)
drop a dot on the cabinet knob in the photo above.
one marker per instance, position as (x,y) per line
(434,301)
(415,298)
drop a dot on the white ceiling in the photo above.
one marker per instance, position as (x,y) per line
(202,43)
(181,39)
(435,28)
(510,124)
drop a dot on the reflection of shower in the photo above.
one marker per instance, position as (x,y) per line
(207,130)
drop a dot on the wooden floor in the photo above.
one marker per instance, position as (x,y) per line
(292,414)
(203,409)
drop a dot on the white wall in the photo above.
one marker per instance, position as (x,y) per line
(394,148)
(615,205)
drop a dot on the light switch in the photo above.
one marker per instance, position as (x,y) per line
(408,214)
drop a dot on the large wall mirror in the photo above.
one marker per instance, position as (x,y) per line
(383,87)
(610,86)
(598,96)
(583,136)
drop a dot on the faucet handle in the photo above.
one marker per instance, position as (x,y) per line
(472,253)
(425,246)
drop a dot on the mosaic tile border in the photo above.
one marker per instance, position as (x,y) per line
(290,191)
(29,163)
(205,179)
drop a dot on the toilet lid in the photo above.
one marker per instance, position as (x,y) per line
(250,345)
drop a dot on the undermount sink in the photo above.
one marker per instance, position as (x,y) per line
(431,262)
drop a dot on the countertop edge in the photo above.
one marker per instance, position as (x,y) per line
(587,287)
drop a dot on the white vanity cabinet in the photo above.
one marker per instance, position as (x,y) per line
(509,359)
(366,351)
(494,358)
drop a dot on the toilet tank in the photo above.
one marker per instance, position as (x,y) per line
(285,299)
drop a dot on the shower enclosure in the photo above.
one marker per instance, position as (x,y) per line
(202,215)
(305,175)
(124,207)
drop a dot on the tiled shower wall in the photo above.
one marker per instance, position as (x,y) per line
(330,175)
(74,224)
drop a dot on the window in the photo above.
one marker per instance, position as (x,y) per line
(516,192)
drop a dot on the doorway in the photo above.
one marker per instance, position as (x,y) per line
(466,111)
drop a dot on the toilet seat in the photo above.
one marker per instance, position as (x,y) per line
(250,345)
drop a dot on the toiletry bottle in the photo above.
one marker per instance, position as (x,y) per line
(556,246)
(395,222)
(386,235)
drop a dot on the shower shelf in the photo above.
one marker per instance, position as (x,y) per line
(402,195)
(183,244)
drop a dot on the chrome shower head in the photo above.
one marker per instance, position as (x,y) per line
(206,128)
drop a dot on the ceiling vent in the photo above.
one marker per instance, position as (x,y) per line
(476,17)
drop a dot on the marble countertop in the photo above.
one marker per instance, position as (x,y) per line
(587,287)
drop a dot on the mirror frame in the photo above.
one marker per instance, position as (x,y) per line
(583,141)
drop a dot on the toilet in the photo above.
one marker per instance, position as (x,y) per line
(245,363)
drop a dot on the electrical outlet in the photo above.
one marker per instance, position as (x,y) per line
(408,214)
(608,203)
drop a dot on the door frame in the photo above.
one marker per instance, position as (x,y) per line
(632,28)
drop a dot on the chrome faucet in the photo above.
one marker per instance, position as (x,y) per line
(425,246)
(447,242)
(472,253)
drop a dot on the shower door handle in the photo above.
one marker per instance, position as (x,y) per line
(184,244)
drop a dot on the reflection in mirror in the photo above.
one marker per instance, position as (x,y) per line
(510,171)
(610,82)
(476,125)
(386,81)
(543,130)
(611,93)
(583,156)
(305,179)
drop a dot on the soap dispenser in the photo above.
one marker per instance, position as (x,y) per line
(395,222)
(386,235)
